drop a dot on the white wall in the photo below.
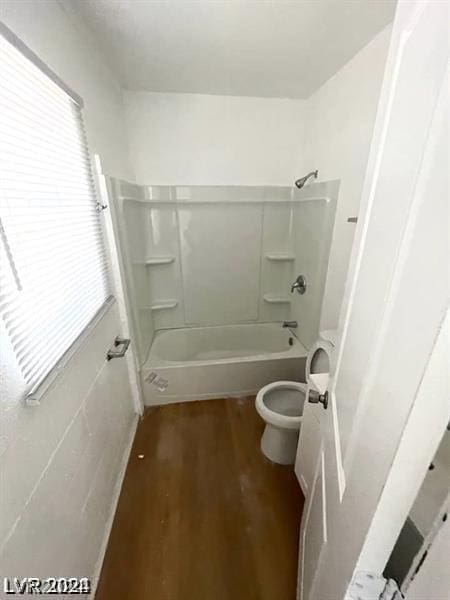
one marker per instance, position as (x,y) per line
(339,120)
(197,139)
(60,462)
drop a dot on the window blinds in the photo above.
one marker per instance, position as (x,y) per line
(53,272)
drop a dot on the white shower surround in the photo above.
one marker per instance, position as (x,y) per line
(200,363)
(219,255)
(207,258)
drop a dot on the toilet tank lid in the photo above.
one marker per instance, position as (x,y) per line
(329,335)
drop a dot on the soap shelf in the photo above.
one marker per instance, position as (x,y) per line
(159,260)
(279,256)
(163,304)
(271,299)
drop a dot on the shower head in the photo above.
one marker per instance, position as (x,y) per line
(301,182)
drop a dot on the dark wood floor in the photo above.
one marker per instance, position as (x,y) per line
(203,516)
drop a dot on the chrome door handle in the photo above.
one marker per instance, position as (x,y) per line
(124,342)
(316,398)
(299,285)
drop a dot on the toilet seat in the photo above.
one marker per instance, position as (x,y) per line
(274,414)
(320,345)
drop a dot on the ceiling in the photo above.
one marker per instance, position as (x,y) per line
(271,48)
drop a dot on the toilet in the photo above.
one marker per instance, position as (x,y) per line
(280,405)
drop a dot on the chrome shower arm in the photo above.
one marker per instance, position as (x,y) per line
(302,181)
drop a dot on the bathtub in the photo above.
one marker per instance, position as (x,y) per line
(222,361)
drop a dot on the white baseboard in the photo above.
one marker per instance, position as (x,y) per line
(116,495)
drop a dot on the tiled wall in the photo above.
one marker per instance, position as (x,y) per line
(205,255)
(61,464)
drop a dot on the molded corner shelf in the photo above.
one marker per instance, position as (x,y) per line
(163,304)
(272,299)
(279,256)
(159,260)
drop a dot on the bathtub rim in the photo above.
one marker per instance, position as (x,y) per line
(298,350)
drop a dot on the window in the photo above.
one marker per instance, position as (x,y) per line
(53,273)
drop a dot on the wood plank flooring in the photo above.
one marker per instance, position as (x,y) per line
(203,516)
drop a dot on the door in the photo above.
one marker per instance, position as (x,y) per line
(394,305)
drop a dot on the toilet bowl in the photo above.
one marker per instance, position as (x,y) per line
(280,405)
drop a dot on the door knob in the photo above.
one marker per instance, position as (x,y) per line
(299,285)
(316,398)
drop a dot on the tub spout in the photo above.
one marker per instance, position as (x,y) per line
(290,324)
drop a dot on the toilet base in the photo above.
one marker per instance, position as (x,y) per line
(280,445)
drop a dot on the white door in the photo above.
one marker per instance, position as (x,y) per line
(394,306)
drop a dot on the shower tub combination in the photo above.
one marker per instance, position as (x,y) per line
(209,272)
(219,361)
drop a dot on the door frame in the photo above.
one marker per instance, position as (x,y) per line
(434,574)
(429,539)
